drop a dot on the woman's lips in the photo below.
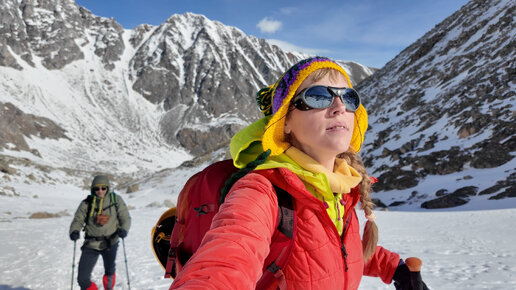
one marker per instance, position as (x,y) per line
(337,127)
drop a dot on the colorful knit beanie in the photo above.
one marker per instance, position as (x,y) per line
(275,99)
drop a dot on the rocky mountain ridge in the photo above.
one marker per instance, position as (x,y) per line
(79,91)
(445,106)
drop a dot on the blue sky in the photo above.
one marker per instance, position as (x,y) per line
(370,32)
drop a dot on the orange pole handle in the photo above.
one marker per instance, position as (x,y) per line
(414,264)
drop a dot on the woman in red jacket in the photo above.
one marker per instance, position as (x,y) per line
(314,126)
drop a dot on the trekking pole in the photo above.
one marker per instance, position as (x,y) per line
(73,263)
(126,268)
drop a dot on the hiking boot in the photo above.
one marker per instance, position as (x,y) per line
(109,282)
(93,286)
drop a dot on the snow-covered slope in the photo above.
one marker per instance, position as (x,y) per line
(73,74)
(441,113)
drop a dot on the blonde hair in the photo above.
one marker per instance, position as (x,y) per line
(370,235)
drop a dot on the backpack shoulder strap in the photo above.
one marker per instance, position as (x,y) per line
(114,200)
(286,213)
(282,242)
(87,200)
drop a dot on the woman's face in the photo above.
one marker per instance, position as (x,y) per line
(321,133)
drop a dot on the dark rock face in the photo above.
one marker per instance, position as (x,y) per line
(446,103)
(211,74)
(201,142)
(458,197)
(44,31)
(506,188)
(138,34)
(378,203)
(396,179)
(107,33)
(55,31)
(13,35)
(206,81)
(15,124)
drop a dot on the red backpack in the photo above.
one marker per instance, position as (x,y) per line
(180,230)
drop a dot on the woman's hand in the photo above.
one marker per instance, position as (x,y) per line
(408,275)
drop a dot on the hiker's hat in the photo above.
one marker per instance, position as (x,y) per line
(275,100)
(99,181)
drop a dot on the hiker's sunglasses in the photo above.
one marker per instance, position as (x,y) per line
(100,188)
(321,97)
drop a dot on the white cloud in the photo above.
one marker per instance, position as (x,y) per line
(269,25)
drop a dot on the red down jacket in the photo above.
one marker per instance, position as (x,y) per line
(232,253)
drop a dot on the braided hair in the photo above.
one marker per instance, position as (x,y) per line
(370,236)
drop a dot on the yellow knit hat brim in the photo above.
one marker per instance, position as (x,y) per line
(274,136)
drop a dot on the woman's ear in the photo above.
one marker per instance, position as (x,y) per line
(287,128)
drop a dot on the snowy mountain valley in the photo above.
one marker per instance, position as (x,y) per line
(80,95)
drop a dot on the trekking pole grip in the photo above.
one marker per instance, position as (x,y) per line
(414,264)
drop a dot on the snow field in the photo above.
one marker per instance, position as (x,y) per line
(460,250)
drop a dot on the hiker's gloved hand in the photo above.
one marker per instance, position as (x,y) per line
(405,279)
(74,236)
(122,233)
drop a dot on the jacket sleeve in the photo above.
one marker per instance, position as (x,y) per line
(123,216)
(233,251)
(79,217)
(382,264)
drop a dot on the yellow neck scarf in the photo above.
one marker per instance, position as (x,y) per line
(340,181)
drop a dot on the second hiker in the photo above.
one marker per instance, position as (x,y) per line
(105,219)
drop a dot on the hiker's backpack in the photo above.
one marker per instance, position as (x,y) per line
(179,231)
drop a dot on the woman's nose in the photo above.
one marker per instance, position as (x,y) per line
(337,106)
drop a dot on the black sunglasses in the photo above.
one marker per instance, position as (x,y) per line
(321,97)
(97,188)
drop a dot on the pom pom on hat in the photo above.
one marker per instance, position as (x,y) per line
(263,98)
(276,99)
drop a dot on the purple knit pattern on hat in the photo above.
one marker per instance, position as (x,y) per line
(289,78)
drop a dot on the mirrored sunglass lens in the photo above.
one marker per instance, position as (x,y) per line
(95,189)
(318,97)
(351,100)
